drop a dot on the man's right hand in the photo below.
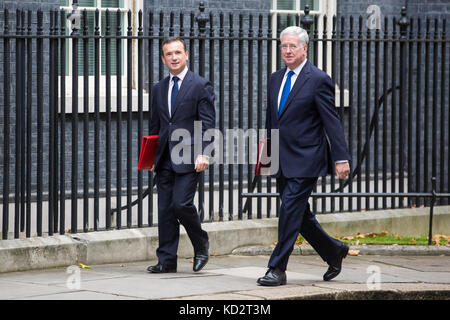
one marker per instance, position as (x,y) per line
(152,168)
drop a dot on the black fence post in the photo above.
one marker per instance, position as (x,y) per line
(403,23)
(6,124)
(108,119)
(240,112)
(140,110)
(118,70)
(18,124)
(230,112)
(85,123)
(212,56)
(432,203)
(97,120)
(221,109)
(201,19)
(40,120)
(29,124)
(444,93)
(150,107)
(62,116)
(129,118)
(306,22)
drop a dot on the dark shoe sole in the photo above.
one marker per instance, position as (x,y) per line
(171,271)
(270,284)
(164,271)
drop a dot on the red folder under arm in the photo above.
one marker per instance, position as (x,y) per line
(148,150)
(262,160)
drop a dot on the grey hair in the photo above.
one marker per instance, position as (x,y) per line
(297,31)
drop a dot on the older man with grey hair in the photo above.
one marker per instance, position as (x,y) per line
(311,142)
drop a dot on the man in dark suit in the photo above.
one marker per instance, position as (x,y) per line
(301,106)
(179,101)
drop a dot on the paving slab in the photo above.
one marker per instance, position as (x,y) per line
(233,277)
(17,290)
(288,292)
(82,295)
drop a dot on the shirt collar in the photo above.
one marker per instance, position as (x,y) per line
(298,69)
(181,75)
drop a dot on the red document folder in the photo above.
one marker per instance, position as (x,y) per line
(148,150)
(262,160)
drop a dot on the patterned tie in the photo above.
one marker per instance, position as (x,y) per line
(174,93)
(285,93)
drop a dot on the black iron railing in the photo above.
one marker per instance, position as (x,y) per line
(71,140)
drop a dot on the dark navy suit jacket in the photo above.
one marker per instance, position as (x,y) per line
(194,102)
(311,137)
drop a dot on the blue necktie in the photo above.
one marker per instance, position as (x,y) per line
(174,93)
(285,93)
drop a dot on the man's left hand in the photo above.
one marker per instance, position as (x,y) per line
(342,170)
(201,163)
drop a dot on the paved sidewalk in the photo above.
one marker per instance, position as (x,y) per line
(233,277)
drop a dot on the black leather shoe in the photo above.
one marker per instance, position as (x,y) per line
(274,277)
(199,262)
(161,268)
(335,266)
(201,258)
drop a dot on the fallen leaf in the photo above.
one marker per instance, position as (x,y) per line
(83,266)
(353,252)
(360,236)
(348,238)
(383,233)
(413,240)
(437,239)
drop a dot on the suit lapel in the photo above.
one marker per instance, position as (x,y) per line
(185,85)
(165,97)
(301,80)
(277,83)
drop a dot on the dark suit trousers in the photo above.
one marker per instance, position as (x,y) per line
(296,217)
(175,205)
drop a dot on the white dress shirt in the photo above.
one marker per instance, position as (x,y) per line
(293,79)
(180,81)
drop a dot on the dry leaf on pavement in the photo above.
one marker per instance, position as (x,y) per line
(353,252)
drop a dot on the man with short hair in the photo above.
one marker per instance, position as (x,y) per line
(301,106)
(178,101)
